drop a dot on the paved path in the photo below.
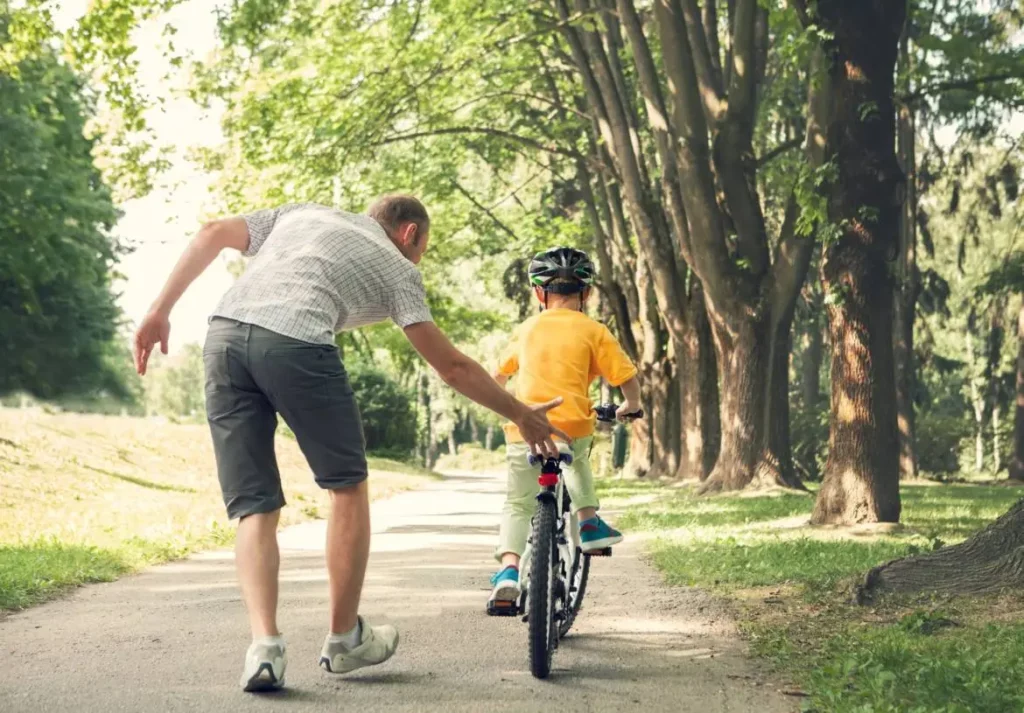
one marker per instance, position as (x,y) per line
(172,638)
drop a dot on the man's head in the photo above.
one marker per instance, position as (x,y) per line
(562,277)
(405,221)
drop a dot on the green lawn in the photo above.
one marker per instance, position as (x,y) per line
(791,583)
(89,498)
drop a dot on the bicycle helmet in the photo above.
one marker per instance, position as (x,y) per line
(563,271)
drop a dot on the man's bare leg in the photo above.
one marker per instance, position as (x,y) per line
(258,560)
(348,549)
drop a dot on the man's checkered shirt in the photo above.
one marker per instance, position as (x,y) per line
(317,271)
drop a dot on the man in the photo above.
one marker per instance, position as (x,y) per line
(270,350)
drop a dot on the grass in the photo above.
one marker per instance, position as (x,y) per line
(89,498)
(790,583)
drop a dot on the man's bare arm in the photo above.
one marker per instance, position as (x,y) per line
(472,380)
(211,239)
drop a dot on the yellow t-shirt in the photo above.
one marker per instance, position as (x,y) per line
(559,352)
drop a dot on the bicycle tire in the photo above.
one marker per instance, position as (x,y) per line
(541,599)
(582,563)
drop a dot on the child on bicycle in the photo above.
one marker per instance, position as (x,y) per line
(558,352)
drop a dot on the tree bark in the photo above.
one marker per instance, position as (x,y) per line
(907,285)
(977,400)
(861,481)
(489,438)
(989,562)
(743,358)
(1017,464)
(698,395)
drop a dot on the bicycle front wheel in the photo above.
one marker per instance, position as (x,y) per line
(541,596)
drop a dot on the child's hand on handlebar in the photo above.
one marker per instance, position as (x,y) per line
(626,409)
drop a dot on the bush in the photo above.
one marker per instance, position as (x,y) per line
(940,440)
(389,418)
(809,441)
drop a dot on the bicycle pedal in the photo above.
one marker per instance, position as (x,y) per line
(502,608)
(606,552)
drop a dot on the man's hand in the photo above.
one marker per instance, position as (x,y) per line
(156,327)
(537,431)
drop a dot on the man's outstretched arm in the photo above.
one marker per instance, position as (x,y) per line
(205,246)
(472,381)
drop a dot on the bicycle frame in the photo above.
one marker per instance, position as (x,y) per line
(552,488)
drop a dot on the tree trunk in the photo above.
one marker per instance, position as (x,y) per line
(698,395)
(997,455)
(812,343)
(977,404)
(742,357)
(776,465)
(861,481)
(489,438)
(474,429)
(664,402)
(990,562)
(453,446)
(1017,464)
(907,286)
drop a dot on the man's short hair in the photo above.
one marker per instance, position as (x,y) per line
(394,209)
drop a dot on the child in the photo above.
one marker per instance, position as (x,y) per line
(558,352)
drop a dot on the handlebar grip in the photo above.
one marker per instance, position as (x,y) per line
(606,413)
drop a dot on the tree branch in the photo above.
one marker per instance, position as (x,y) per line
(484,131)
(658,118)
(711,88)
(941,87)
(743,77)
(484,209)
(800,6)
(779,150)
(711,260)
(711,32)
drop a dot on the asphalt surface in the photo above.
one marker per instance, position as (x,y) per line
(173,638)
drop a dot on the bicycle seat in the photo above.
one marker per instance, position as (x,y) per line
(562,458)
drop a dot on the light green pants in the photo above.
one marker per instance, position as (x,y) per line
(522,489)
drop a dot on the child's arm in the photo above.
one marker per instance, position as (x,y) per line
(631,392)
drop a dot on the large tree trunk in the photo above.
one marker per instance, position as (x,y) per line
(990,562)
(698,395)
(1017,464)
(742,356)
(907,286)
(862,472)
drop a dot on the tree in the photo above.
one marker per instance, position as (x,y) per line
(177,387)
(692,200)
(861,482)
(1006,279)
(959,67)
(57,313)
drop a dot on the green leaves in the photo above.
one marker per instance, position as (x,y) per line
(57,313)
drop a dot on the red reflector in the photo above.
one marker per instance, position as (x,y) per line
(548,480)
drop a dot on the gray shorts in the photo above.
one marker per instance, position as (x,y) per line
(253,374)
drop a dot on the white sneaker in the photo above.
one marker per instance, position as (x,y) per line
(264,667)
(378,644)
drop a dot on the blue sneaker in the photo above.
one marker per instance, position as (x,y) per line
(506,585)
(596,534)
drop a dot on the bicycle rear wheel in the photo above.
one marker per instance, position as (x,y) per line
(541,596)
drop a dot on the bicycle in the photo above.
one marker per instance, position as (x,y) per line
(554,562)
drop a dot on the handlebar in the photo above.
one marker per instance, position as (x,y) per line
(606,413)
